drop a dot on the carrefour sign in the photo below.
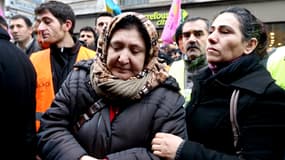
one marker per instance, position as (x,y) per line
(159,18)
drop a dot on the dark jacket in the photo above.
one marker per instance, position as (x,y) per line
(260,114)
(17,101)
(34,47)
(128,136)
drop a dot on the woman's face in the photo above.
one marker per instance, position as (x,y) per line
(225,41)
(126,53)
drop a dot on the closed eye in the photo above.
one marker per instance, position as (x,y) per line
(136,49)
(116,46)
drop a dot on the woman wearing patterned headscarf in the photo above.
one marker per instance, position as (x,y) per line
(111,107)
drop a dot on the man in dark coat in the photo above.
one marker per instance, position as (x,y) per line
(17,101)
(21,28)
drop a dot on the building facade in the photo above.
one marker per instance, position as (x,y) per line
(269,12)
(24,7)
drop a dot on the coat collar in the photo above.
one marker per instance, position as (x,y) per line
(4,34)
(242,73)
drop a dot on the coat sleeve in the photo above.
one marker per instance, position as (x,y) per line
(55,139)
(133,154)
(192,150)
(262,130)
(169,118)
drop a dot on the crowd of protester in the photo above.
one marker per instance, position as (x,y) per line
(115,91)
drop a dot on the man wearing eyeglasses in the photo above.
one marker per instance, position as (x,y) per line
(194,38)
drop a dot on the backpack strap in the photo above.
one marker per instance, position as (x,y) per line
(93,109)
(233,118)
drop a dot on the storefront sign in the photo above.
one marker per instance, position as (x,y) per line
(159,18)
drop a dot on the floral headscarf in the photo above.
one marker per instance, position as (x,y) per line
(113,88)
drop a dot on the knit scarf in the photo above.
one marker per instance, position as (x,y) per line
(196,63)
(110,87)
(115,89)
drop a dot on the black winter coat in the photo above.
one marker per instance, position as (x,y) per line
(127,137)
(17,101)
(260,114)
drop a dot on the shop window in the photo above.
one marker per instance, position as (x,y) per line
(276,34)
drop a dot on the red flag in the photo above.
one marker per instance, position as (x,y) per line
(172,22)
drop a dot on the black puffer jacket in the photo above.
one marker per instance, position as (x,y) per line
(127,137)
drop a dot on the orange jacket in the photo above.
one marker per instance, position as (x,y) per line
(45,91)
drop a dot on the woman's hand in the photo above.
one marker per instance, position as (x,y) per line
(86,157)
(166,145)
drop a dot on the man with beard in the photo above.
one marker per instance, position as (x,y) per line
(87,37)
(194,38)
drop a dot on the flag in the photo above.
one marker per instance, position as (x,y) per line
(172,22)
(1,13)
(112,7)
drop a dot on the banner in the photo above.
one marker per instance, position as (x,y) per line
(172,22)
(112,7)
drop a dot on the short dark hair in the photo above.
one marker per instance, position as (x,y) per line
(88,29)
(103,14)
(26,19)
(178,33)
(3,22)
(59,10)
(191,19)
